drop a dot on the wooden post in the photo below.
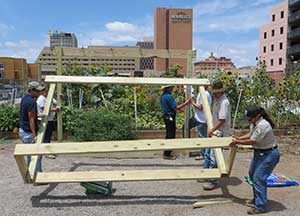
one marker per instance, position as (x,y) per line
(23,168)
(218,151)
(59,54)
(189,71)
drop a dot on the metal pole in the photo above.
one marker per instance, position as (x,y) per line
(135,107)
(236,110)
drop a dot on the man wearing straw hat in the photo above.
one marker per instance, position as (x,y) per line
(221,128)
(169,109)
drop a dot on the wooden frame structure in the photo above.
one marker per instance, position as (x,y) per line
(30,174)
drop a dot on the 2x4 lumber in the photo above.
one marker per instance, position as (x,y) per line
(218,151)
(207,202)
(231,158)
(23,169)
(42,129)
(121,146)
(125,80)
(125,52)
(59,54)
(127,175)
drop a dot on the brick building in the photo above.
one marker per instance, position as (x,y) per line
(173,29)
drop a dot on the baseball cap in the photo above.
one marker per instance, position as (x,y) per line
(34,85)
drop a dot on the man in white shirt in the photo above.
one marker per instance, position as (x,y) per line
(41,102)
(200,117)
(221,127)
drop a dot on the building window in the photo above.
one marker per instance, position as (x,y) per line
(264,62)
(265,49)
(273,17)
(273,33)
(1,66)
(281,45)
(281,30)
(280,61)
(272,62)
(265,35)
(1,75)
(272,47)
(282,14)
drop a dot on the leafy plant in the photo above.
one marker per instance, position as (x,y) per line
(9,117)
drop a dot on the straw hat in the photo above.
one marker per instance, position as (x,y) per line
(217,87)
(166,86)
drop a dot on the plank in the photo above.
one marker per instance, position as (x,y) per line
(42,129)
(124,52)
(121,146)
(231,158)
(207,202)
(23,168)
(127,175)
(59,54)
(218,151)
(126,80)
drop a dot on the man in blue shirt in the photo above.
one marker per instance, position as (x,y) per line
(169,109)
(28,117)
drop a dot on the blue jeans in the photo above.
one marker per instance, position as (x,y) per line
(262,165)
(210,162)
(27,138)
(202,133)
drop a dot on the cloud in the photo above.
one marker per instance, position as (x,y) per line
(5,29)
(117,33)
(28,49)
(120,26)
(230,15)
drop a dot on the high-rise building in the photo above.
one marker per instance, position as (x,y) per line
(146,63)
(125,66)
(17,71)
(294,32)
(273,42)
(63,39)
(173,29)
(210,65)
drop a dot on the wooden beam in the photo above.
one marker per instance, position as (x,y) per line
(126,80)
(121,146)
(59,54)
(23,168)
(42,129)
(124,52)
(231,158)
(218,151)
(207,202)
(127,175)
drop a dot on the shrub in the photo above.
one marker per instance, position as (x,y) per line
(102,125)
(9,117)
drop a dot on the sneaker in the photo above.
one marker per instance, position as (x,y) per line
(210,186)
(51,156)
(199,158)
(169,157)
(254,211)
(250,203)
(202,180)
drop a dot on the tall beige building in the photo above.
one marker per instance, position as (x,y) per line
(122,66)
(173,29)
(273,42)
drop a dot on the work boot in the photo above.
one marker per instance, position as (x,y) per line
(210,186)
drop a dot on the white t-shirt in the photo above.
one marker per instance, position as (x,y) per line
(199,114)
(222,110)
(41,102)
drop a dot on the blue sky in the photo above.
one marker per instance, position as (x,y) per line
(226,27)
